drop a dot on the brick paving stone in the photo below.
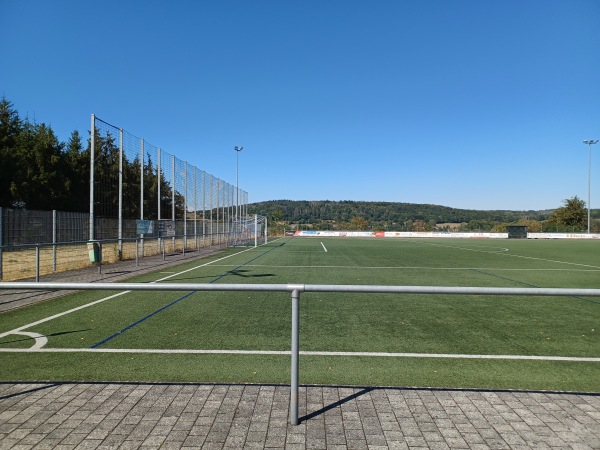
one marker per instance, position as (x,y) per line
(8,443)
(335,438)
(88,444)
(357,445)
(177,436)
(295,438)
(73,439)
(375,440)
(237,416)
(438,446)
(167,445)
(450,433)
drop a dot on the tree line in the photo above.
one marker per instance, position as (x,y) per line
(37,171)
(396,216)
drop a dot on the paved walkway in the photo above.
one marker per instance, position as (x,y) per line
(193,416)
(173,416)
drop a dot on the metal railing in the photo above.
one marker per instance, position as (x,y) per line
(296,290)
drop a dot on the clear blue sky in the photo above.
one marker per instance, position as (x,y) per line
(468,103)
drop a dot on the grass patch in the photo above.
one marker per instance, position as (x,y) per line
(361,371)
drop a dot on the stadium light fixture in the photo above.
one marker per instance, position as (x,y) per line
(237,188)
(589,142)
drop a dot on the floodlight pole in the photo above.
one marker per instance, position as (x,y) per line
(589,142)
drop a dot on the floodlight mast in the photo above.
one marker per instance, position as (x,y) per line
(237,188)
(589,142)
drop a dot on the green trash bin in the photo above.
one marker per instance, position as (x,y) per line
(94,251)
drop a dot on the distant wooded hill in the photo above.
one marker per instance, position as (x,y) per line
(387,215)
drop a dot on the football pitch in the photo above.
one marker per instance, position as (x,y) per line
(360,339)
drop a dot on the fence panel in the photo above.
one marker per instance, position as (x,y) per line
(135,180)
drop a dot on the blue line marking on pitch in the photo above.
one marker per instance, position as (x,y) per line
(143,319)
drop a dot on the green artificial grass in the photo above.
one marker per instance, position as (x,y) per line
(328,370)
(336,322)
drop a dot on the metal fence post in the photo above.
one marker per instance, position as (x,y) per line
(195,211)
(185,206)
(295,357)
(158,183)
(37,263)
(218,206)
(142,156)
(100,259)
(120,213)
(54,240)
(255,230)
(203,177)
(92,159)
(173,199)
(158,195)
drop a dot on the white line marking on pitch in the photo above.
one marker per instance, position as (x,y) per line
(40,339)
(110,297)
(324,248)
(505,269)
(512,255)
(304,353)
(56,316)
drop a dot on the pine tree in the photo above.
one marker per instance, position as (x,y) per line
(10,128)
(77,174)
(38,180)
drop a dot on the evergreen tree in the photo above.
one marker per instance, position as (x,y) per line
(77,175)
(10,129)
(37,181)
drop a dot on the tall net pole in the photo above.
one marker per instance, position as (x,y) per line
(92,158)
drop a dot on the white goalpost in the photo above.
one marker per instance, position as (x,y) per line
(250,230)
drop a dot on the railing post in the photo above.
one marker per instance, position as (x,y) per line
(137,263)
(295,357)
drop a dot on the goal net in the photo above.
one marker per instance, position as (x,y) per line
(517,232)
(250,231)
